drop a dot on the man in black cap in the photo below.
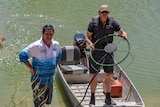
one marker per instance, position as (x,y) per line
(99,27)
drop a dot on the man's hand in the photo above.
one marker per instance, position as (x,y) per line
(30,67)
(32,71)
(122,33)
(91,46)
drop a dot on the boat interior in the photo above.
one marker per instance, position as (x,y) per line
(76,73)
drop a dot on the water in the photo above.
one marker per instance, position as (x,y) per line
(21,22)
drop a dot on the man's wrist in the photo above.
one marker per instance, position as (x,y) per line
(91,44)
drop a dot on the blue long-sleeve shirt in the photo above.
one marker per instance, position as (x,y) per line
(44,60)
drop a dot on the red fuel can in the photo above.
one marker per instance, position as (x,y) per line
(116,88)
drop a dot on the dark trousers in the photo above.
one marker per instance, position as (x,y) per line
(42,94)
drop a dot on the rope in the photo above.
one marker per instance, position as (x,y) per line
(97,62)
(89,85)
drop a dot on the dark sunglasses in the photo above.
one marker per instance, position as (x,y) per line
(48,26)
(104,12)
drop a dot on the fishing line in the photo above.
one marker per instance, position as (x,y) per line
(110,47)
(87,89)
(98,70)
(89,81)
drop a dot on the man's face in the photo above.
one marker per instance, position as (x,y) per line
(48,35)
(103,15)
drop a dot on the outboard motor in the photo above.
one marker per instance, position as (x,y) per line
(80,41)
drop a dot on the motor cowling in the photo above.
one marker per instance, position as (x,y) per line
(80,40)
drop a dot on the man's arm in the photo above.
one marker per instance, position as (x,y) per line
(59,56)
(23,56)
(30,67)
(88,36)
(122,33)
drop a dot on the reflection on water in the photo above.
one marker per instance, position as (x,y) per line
(21,22)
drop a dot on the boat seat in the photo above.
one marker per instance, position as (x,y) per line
(70,61)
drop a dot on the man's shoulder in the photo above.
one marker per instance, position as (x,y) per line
(35,44)
(94,21)
(95,18)
(55,42)
(38,42)
(111,19)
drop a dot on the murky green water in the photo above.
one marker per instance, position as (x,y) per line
(21,22)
